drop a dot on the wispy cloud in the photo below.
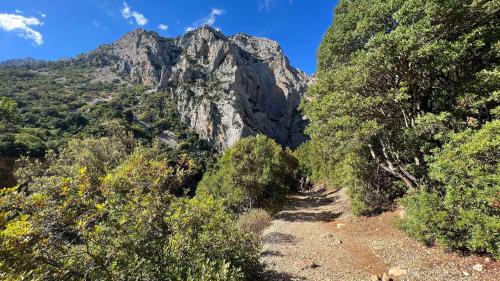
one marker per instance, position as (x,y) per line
(265,4)
(22,26)
(18,11)
(42,14)
(208,20)
(99,24)
(162,26)
(132,15)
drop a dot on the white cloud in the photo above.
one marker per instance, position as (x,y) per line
(18,11)
(208,20)
(42,14)
(162,26)
(22,25)
(99,24)
(129,14)
(265,4)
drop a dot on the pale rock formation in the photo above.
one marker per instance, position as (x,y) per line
(226,88)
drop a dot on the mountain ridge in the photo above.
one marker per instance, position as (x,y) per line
(224,87)
(227,87)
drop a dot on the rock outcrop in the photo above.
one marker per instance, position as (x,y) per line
(225,87)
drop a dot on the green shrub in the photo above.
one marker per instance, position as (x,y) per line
(103,210)
(393,79)
(371,191)
(254,221)
(424,216)
(255,173)
(43,107)
(461,211)
(7,109)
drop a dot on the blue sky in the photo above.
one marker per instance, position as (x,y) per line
(53,29)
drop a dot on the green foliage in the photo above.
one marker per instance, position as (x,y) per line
(461,210)
(105,209)
(7,109)
(254,173)
(394,79)
(57,102)
(254,221)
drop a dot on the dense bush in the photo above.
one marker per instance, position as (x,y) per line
(254,221)
(462,209)
(394,78)
(104,209)
(7,108)
(255,173)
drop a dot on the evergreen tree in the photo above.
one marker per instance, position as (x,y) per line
(394,78)
(255,173)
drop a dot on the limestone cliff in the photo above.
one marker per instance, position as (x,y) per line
(225,87)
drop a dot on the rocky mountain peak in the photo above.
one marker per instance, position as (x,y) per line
(263,46)
(205,31)
(225,87)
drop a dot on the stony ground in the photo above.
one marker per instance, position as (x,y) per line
(316,237)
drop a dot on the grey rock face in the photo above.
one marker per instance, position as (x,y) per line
(226,88)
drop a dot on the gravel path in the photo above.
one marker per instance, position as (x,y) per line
(316,237)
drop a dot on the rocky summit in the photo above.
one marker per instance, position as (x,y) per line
(226,87)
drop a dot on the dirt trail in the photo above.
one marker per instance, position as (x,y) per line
(316,237)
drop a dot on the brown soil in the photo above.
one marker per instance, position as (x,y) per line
(316,237)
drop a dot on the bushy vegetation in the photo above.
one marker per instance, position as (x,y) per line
(255,173)
(60,101)
(7,107)
(105,209)
(99,197)
(462,208)
(405,90)
(254,221)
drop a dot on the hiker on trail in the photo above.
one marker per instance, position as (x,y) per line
(305,185)
(301,184)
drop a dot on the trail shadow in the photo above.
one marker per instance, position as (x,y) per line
(268,253)
(312,199)
(279,238)
(273,275)
(326,216)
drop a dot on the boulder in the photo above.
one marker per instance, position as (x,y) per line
(478,267)
(397,272)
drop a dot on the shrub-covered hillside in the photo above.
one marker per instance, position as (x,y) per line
(58,101)
(109,208)
(47,105)
(407,102)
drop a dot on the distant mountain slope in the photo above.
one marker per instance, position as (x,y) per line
(225,87)
(22,62)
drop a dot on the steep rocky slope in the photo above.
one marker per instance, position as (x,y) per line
(225,88)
